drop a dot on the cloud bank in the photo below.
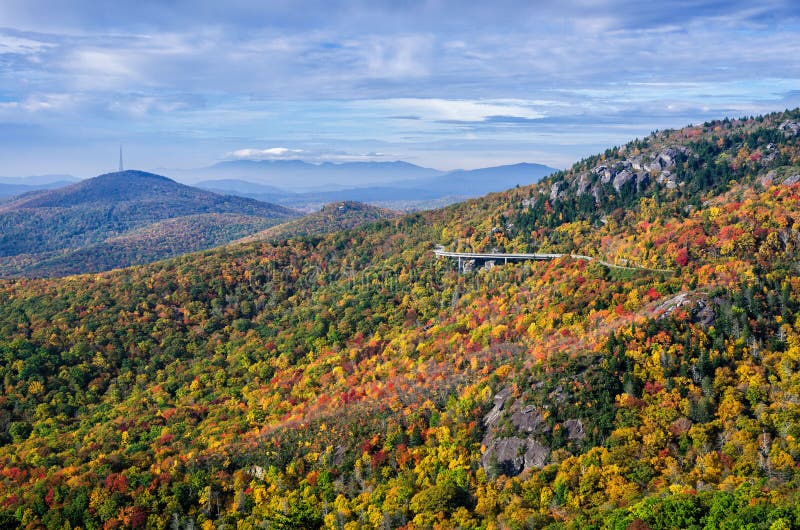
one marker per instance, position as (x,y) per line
(446,84)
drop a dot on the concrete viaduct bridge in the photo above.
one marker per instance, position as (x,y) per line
(497,257)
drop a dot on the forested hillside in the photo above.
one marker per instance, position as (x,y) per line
(353,380)
(331,218)
(99,224)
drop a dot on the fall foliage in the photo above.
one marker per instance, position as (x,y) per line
(352,380)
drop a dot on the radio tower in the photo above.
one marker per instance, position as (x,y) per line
(120,158)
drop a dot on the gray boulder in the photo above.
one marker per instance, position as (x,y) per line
(554,189)
(583,184)
(621,178)
(574,429)
(790,127)
(511,456)
(638,163)
(527,418)
(492,417)
(767,179)
(788,181)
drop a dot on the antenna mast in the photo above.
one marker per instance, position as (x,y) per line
(120,158)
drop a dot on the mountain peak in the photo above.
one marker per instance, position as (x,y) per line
(131,174)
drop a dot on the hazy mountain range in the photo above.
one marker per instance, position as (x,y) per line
(301,176)
(11,186)
(307,186)
(134,217)
(397,185)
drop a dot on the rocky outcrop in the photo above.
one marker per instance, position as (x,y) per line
(622,178)
(766,180)
(794,179)
(574,429)
(584,183)
(492,418)
(699,308)
(790,127)
(511,456)
(666,157)
(527,418)
(639,169)
(772,177)
(554,189)
(703,314)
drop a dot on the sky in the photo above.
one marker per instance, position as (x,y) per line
(443,84)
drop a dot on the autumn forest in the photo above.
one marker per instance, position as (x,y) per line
(352,380)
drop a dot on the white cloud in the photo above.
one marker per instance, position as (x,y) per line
(435,109)
(398,57)
(41,102)
(271,153)
(21,45)
(101,69)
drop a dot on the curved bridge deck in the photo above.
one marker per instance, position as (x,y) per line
(506,257)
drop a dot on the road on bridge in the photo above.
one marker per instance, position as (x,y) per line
(506,257)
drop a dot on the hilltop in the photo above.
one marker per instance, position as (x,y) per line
(352,380)
(332,217)
(77,228)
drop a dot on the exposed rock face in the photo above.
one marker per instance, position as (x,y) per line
(527,418)
(256,471)
(583,184)
(666,157)
(794,179)
(772,176)
(767,179)
(604,173)
(511,456)
(670,305)
(703,314)
(574,429)
(790,127)
(700,309)
(554,189)
(666,178)
(622,178)
(492,417)
(638,168)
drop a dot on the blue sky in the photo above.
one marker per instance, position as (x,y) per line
(443,84)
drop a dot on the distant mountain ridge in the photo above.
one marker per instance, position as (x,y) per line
(300,176)
(407,193)
(42,226)
(39,180)
(477,182)
(11,186)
